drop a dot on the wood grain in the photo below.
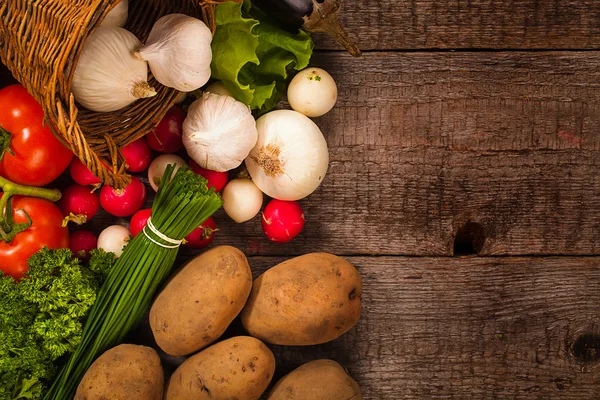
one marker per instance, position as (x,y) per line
(466,328)
(470,24)
(422,143)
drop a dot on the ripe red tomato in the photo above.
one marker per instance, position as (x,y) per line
(45,230)
(39,158)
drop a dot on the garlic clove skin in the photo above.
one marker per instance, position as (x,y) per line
(219,132)
(117,17)
(290,158)
(107,76)
(179,53)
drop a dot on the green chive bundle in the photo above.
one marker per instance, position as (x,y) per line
(180,206)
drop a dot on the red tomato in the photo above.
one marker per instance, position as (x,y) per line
(282,220)
(39,158)
(215,179)
(45,231)
(202,236)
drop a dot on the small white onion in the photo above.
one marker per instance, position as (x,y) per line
(157,168)
(117,17)
(113,239)
(179,53)
(312,92)
(290,158)
(219,132)
(242,200)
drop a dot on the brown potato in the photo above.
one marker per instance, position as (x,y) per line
(307,300)
(239,368)
(317,380)
(199,303)
(125,372)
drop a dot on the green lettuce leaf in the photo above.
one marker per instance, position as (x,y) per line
(253,57)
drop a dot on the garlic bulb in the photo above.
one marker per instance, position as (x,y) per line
(178,51)
(117,17)
(290,158)
(219,132)
(108,77)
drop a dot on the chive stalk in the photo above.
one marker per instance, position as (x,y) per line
(180,206)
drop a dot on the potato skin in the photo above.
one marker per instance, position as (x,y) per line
(316,380)
(200,302)
(125,372)
(239,368)
(308,300)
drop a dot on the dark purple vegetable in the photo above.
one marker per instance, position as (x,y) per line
(312,15)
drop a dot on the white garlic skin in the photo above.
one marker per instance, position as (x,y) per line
(312,92)
(218,88)
(179,53)
(290,158)
(117,17)
(107,76)
(219,132)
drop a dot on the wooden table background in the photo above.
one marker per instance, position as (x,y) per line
(464,184)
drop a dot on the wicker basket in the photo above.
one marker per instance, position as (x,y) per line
(40,42)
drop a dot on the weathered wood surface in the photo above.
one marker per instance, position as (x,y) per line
(467,328)
(422,143)
(470,24)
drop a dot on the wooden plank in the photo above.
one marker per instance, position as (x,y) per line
(422,143)
(470,24)
(466,328)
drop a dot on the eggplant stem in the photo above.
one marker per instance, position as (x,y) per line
(324,19)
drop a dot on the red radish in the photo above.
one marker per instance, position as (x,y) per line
(123,202)
(137,155)
(166,137)
(78,204)
(282,220)
(215,179)
(81,174)
(202,236)
(138,221)
(81,243)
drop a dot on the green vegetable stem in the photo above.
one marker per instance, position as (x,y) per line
(8,229)
(181,205)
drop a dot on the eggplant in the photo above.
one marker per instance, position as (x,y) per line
(312,15)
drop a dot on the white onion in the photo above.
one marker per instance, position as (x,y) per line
(113,239)
(242,200)
(290,159)
(157,168)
